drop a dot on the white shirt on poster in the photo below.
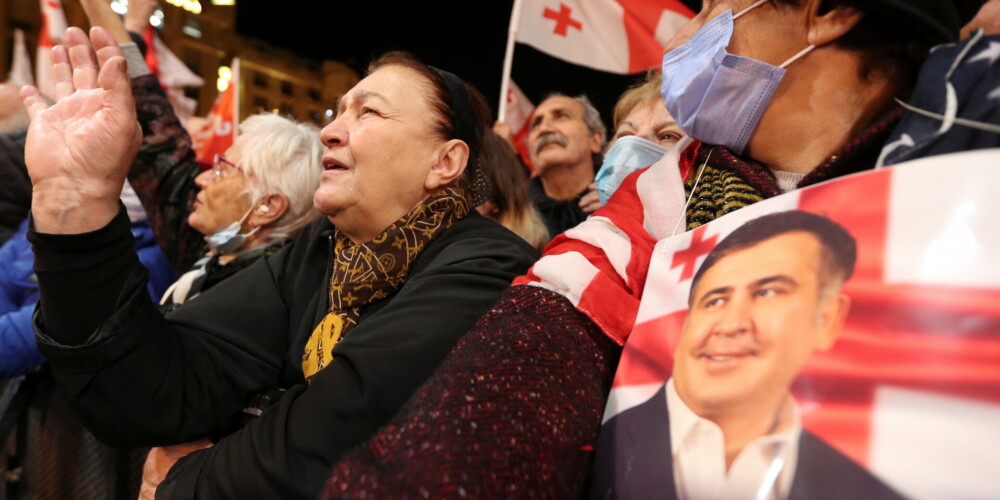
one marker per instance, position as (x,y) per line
(763,469)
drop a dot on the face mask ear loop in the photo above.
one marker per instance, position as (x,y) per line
(748,9)
(697,179)
(796,57)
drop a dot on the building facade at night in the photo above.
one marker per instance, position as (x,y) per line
(202,33)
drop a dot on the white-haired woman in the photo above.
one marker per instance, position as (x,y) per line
(256,197)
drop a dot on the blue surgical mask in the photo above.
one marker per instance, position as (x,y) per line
(716,97)
(230,238)
(628,154)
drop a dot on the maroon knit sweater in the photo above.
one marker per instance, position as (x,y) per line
(513,412)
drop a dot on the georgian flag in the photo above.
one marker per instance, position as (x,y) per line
(518,116)
(51,34)
(623,36)
(172,73)
(911,389)
(169,68)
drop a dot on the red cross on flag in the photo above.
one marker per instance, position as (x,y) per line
(909,389)
(51,34)
(623,36)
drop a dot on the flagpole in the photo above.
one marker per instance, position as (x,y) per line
(508,60)
(236,97)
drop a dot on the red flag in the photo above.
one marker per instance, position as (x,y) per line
(219,133)
(623,36)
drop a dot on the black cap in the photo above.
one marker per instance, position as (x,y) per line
(937,21)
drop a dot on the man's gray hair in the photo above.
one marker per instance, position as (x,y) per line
(591,116)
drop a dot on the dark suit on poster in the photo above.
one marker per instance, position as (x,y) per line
(634,461)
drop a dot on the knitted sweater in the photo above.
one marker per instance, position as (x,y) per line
(482,427)
(728,182)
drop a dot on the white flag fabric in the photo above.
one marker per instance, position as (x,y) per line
(51,34)
(623,36)
(20,67)
(519,108)
(173,71)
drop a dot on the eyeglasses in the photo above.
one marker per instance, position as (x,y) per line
(221,167)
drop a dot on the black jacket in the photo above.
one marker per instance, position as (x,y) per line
(145,379)
(15,185)
(634,461)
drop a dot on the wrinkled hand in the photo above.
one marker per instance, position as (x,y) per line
(79,150)
(590,201)
(160,460)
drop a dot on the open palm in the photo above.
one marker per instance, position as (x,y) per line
(82,145)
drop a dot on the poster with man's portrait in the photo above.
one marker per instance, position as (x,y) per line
(840,341)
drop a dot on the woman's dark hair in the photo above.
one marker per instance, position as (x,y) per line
(886,45)
(445,119)
(508,193)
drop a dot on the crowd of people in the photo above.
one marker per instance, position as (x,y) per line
(395,305)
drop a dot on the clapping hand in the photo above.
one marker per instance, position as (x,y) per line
(79,150)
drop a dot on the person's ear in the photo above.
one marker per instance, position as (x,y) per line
(268,210)
(833,313)
(451,161)
(828,26)
(596,141)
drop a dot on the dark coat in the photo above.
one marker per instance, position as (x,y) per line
(146,379)
(15,185)
(558,215)
(634,460)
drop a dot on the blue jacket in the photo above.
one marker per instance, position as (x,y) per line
(19,293)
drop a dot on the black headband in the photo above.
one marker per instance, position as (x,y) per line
(461,107)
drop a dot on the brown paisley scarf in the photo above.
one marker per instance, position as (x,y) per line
(366,272)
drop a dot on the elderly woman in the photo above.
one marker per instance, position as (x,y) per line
(348,319)
(255,198)
(648,130)
(640,112)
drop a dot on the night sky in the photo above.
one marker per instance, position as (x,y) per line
(466,37)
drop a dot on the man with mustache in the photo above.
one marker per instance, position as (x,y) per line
(564,139)
(725,425)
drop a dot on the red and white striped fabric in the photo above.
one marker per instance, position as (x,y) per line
(911,389)
(51,34)
(600,265)
(617,36)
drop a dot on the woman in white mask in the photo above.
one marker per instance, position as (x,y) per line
(256,196)
(644,132)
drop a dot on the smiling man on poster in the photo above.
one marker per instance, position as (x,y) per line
(726,425)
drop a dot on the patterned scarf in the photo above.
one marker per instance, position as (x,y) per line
(366,272)
(728,182)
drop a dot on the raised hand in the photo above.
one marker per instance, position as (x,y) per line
(79,150)
(137,16)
